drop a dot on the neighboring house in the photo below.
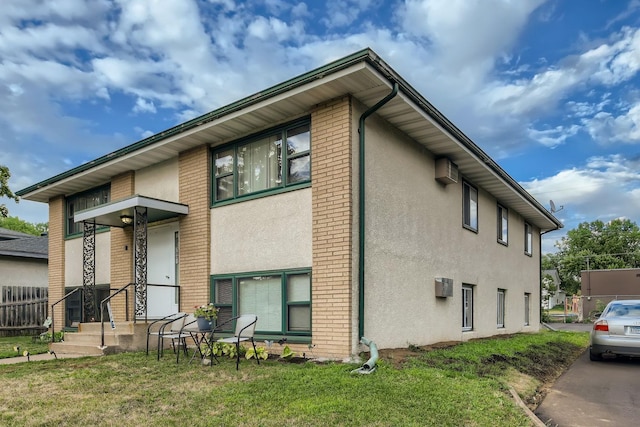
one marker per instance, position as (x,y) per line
(557,297)
(335,205)
(23,280)
(598,287)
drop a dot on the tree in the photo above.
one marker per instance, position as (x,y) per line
(595,246)
(16,224)
(5,191)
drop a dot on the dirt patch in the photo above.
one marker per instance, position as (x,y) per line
(399,356)
(530,373)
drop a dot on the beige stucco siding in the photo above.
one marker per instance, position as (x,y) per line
(269,233)
(24,272)
(159,181)
(73,260)
(414,234)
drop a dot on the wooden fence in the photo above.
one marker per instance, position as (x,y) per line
(23,309)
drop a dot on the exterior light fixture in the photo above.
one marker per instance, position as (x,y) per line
(126,219)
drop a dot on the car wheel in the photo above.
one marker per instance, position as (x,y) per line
(595,357)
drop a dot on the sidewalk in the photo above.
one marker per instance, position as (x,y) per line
(39,357)
(578,327)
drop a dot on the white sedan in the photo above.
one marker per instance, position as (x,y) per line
(617,330)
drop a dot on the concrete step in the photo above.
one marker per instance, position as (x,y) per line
(80,338)
(84,349)
(127,336)
(121,327)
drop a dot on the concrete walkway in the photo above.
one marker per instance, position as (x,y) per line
(39,357)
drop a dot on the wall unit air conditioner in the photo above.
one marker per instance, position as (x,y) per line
(446,171)
(444,287)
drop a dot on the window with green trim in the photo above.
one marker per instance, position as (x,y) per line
(281,300)
(260,163)
(85,200)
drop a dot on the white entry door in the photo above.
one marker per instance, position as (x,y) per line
(162,269)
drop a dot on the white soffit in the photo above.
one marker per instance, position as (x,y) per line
(111,213)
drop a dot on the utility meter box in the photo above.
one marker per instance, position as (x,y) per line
(444,287)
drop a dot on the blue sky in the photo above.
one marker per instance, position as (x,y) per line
(548,88)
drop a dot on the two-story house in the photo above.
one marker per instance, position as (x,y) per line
(335,205)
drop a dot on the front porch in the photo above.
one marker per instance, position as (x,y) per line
(128,336)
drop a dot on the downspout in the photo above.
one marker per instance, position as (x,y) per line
(361,196)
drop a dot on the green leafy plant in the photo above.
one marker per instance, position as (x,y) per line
(208,311)
(287,353)
(226,349)
(259,353)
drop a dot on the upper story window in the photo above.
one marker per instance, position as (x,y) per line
(528,239)
(503,225)
(469,206)
(85,200)
(270,161)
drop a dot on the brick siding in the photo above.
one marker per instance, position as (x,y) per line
(332,201)
(195,228)
(122,259)
(57,219)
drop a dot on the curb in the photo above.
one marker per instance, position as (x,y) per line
(536,421)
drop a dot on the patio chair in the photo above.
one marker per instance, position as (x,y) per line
(169,328)
(245,328)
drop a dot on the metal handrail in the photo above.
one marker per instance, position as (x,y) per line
(106,300)
(124,289)
(53,329)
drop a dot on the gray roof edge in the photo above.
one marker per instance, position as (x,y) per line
(21,254)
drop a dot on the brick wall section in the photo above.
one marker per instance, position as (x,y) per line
(56,258)
(332,201)
(122,259)
(195,228)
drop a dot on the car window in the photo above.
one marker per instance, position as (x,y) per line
(623,310)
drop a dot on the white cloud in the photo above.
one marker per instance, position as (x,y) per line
(553,137)
(144,106)
(606,128)
(599,189)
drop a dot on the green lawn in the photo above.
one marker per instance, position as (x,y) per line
(9,346)
(462,385)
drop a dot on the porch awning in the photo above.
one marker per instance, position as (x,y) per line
(119,213)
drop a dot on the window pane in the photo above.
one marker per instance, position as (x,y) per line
(470,206)
(223,291)
(527,239)
(299,287)
(299,318)
(262,296)
(500,318)
(299,169)
(225,314)
(473,209)
(259,165)
(467,308)
(224,187)
(224,162)
(298,140)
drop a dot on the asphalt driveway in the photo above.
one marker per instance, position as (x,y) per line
(593,393)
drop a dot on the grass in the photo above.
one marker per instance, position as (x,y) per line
(8,346)
(461,385)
